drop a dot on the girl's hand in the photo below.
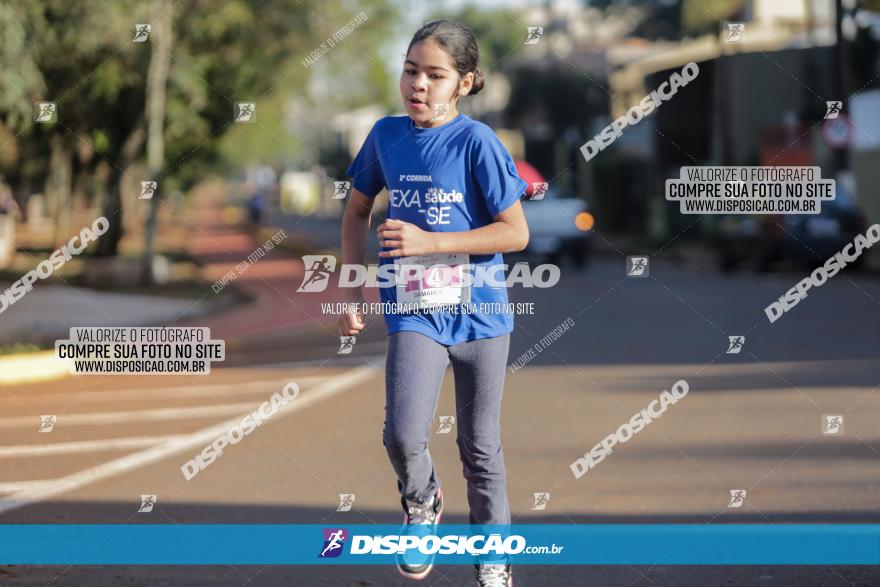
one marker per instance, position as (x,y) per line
(352,322)
(404,239)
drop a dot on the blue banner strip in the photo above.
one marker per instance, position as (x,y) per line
(289,544)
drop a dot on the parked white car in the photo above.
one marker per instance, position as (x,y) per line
(559,227)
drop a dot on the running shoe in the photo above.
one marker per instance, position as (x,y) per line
(493,575)
(419,519)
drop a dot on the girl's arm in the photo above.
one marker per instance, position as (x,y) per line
(508,233)
(355,225)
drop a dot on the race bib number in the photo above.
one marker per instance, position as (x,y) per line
(432,280)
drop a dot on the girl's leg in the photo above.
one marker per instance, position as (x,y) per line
(479,367)
(413,374)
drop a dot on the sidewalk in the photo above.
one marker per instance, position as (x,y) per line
(274,314)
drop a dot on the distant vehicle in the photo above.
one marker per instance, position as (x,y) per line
(559,227)
(809,239)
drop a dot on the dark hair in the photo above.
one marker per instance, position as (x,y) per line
(459,42)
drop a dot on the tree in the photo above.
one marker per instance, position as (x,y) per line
(157,78)
(69,54)
(83,57)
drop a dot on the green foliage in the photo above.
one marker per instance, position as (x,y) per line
(499,33)
(18,348)
(700,17)
(81,55)
(351,74)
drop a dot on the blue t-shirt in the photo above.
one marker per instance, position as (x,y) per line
(450,178)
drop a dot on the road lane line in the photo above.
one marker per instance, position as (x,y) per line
(206,391)
(61,448)
(332,387)
(152,415)
(11,486)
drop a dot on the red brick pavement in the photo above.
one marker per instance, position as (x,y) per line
(276,308)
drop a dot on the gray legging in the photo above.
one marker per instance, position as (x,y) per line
(413,374)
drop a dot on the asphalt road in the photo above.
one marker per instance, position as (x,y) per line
(751,421)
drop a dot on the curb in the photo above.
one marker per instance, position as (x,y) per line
(32,367)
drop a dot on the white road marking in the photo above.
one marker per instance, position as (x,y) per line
(134,415)
(19,485)
(206,391)
(36,493)
(61,448)
(380,349)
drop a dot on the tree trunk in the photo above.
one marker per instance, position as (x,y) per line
(157,79)
(114,209)
(60,170)
(109,241)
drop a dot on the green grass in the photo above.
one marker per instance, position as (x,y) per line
(19,347)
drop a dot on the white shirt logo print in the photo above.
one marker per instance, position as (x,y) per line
(433,202)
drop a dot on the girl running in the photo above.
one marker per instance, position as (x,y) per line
(453,199)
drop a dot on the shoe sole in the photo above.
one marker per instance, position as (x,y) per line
(421,575)
(509,583)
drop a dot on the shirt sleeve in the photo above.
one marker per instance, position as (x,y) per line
(496,174)
(365,170)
